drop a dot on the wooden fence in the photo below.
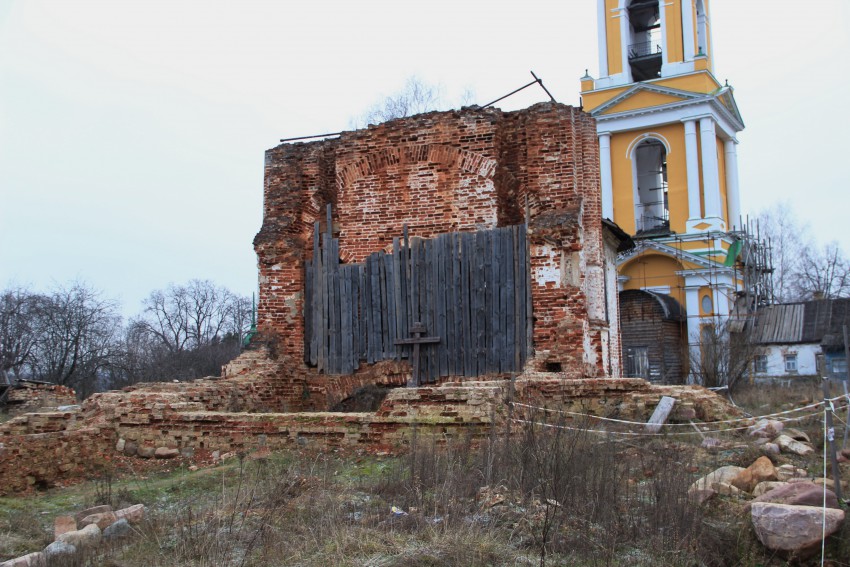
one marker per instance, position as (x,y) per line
(470,290)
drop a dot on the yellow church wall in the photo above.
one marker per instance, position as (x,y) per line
(655,270)
(643,99)
(622,181)
(592,100)
(673,21)
(699,82)
(612,31)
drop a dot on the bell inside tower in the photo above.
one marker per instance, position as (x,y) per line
(645,45)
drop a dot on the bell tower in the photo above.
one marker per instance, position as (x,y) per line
(668,162)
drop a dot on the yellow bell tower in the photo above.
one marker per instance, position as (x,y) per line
(667,140)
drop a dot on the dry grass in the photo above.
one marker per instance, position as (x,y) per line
(545,495)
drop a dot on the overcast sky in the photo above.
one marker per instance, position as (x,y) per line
(132,133)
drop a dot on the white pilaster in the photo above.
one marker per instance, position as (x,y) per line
(688,38)
(710,168)
(733,198)
(693,318)
(625,41)
(605,175)
(692,167)
(721,302)
(602,37)
(662,11)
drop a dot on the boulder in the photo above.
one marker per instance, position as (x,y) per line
(102,520)
(789,445)
(802,493)
(130,448)
(770,449)
(787,472)
(166,453)
(721,475)
(766,486)
(63,524)
(78,517)
(119,446)
(796,435)
(727,489)
(86,538)
(29,560)
(762,469)
(789,528)
(59,553)
(133,514)
(767,428)
(120,529)
(145,452)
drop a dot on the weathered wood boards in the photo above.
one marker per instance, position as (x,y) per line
(469,289)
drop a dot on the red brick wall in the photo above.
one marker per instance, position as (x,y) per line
(440,172)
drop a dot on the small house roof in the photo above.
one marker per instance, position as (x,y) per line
(818,321)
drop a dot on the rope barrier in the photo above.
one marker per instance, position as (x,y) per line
(823,518)
(647,434)
(629,422)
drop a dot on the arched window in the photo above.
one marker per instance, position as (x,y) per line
(645,45)
(650,170)
(702,29)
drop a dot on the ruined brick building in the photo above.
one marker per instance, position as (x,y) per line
(483,226)
(403,184)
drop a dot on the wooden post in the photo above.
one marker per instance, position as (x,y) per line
(830,436)
(844,382)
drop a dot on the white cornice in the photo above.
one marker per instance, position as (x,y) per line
(670,113)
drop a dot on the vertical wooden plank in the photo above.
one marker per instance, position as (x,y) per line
(366,285)
(488,301)
(465,304)
(440,305)
(505,261)
(517,328)
(529,284)
(336,336)
(364,311)
(316,295)
(308,311)
(452,311)
(377,331)
(390,348)
(323,339)
(345,320)
(404,277)
(479,293)
(354,278)
(431,311)
(398,299)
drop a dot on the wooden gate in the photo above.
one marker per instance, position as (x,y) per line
(469,290)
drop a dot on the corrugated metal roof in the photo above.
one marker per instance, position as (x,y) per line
(779,324)
(818,321)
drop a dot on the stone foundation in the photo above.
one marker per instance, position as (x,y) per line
(42,449)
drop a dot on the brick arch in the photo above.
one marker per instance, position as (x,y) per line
(372,163)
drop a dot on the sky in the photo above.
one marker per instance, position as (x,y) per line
(132,133)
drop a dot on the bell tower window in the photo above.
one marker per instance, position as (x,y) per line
(645,45)
(651,208)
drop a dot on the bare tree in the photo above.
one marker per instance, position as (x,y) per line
(186,331)
(824,273)
(18,331)
(787,238)
(415,97)
(77,330)
(723,355)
